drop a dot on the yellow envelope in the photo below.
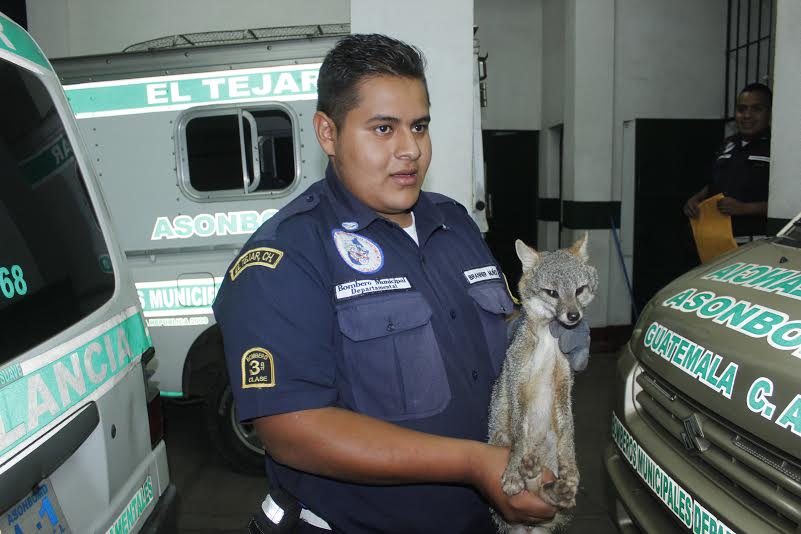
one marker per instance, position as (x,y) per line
(712,230)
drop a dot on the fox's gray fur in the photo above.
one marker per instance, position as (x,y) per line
(531,410)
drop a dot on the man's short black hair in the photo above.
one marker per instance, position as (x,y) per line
(761,88)
(356,58)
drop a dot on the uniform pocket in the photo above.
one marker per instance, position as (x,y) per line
(392,359)
(494,304)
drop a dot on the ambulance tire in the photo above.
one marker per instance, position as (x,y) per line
(236,443)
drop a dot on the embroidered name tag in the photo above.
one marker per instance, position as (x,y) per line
(362,287)
(766,159)
(482,273)
(263,256)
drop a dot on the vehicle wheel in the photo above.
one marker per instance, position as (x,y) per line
(237,443)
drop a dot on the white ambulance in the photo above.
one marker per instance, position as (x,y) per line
(81,446)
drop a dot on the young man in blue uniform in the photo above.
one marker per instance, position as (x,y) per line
(364,323)
(742,167)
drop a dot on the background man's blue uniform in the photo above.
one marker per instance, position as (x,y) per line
(742,172)
(331,305)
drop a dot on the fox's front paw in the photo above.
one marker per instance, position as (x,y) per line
(561,493)
(511,481)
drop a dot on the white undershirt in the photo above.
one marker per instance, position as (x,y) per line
(412,231)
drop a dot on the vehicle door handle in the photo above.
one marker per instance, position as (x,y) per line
(53,450)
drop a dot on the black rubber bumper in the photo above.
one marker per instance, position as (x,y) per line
(164,519)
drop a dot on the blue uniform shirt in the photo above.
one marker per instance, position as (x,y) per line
(331,305)
(742,172)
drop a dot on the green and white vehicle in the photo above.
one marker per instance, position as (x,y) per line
(195,148)
(706,429)
(81,446)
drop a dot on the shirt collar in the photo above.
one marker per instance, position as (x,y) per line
(353,214)
(427,217)
(764,136)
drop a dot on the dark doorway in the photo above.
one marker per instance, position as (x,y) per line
(674,160)
(512,165)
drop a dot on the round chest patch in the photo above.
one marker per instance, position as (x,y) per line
(359,252)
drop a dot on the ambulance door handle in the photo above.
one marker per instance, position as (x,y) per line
(250,152)
(243,150)
(46,455)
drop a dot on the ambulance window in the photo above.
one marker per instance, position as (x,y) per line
(54,265)
(236,151)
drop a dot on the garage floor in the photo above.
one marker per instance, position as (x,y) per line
(214,500)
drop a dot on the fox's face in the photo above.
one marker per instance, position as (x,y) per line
(557,285)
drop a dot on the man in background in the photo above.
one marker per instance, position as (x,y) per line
(742,167)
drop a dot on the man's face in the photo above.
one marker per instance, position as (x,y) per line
(752,114)
(381,150)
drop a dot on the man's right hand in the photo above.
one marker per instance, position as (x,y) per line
(524,507)
(691,208)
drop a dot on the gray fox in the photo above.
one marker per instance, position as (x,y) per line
(530,410)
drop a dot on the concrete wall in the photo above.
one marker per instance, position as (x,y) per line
(510,31)
(667,66)
(605,64)
(785,177)
(445,34)
(554,42)
(81,27)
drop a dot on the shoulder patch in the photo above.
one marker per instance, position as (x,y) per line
(262,256)
(258,369)
(358,252)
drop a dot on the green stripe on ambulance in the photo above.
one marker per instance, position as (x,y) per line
(30,403)
(15,40)
(169,93)
(134,509)
(174,298)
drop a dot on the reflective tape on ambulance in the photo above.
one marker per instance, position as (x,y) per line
(178,302)
(134,510)
(46,388)
(183,91)
(16,42)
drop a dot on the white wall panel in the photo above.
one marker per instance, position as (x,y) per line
(445,34)
(510,31)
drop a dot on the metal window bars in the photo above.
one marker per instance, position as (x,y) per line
(749,47)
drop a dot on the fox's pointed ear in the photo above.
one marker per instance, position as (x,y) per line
(528,256)
(579,248)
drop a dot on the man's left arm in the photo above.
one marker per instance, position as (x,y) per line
(732,206)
